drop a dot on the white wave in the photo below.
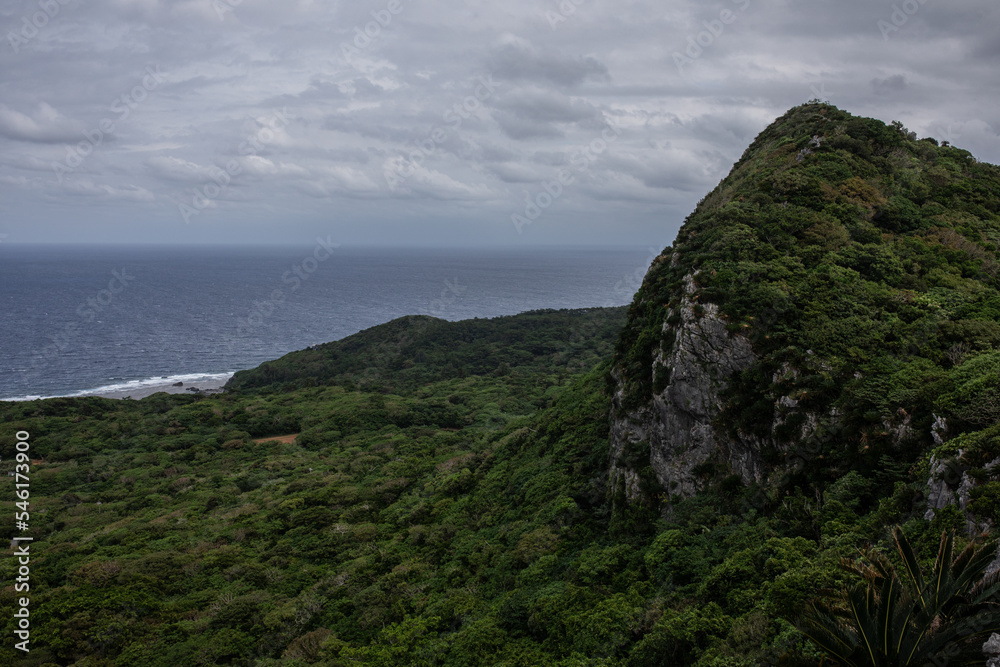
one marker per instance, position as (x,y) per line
(189,379)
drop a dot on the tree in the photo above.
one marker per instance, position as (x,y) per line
(904,618)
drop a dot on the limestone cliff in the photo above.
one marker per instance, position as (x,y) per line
(678,423)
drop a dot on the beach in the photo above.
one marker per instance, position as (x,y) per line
(208,385)
(202,383)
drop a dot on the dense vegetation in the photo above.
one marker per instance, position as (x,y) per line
(395,525)
(442,498)
(417,350)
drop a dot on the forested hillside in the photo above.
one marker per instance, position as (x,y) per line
(417,350)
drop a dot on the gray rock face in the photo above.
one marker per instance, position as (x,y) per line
(939,430)
(949,484)
(678,423)
(991,650)
(943,476)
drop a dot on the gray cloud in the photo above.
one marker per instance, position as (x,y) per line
(518,60)
(44,125)
(893,84)
(435,124)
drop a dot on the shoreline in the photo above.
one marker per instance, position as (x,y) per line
(203,388)
(191,383)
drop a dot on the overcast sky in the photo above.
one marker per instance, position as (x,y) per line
(433,122)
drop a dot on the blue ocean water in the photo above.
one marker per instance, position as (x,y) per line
(89,319)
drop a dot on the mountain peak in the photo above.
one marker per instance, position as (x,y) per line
(841,269)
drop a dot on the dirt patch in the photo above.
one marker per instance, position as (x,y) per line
(284,439)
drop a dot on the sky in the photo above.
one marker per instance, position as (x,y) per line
(444,123)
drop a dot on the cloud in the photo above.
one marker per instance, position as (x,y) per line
(893,84)
(518,172)
(26,162)
(129,193)
(422,181)
(415,94)
(519,128)
(335,180)
(179,170)
(255,165)
(517,60)
(16,181)
(437,185)
(45,125)
(548,107)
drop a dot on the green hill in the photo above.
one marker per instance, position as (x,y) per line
(416,350)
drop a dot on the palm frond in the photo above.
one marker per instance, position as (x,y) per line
(910,562)
(907,617)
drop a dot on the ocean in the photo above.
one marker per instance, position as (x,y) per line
(85,320)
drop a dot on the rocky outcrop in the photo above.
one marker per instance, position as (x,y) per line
(991,650)
(949,483)
(677,424)
(945,476)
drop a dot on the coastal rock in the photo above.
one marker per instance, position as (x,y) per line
(677,426)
